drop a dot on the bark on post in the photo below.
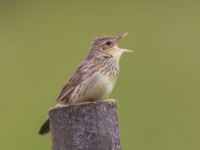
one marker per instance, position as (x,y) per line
(85,126)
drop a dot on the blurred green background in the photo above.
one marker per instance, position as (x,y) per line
(41,43)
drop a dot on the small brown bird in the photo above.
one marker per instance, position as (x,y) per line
(95,77)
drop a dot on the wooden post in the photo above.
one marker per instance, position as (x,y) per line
(85,126)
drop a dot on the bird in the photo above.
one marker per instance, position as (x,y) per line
(95,78)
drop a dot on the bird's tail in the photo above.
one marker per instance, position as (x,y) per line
(45,128)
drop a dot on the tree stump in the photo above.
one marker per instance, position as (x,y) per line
(85,126)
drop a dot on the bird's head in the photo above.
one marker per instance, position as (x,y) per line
(107,45)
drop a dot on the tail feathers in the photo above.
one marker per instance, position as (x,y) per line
(45,128)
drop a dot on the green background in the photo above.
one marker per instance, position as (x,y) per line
(41,43)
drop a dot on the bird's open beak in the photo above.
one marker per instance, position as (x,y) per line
(121,36)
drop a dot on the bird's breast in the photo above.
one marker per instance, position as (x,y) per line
(99,87)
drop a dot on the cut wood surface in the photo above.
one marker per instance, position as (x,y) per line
(85,126)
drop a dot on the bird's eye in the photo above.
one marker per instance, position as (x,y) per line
(108,43)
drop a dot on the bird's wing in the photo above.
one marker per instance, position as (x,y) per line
(69,87)
(80,74)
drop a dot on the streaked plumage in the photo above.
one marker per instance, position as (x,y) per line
(95,77)
(92,81)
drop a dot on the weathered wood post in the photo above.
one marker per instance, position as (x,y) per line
(85,126)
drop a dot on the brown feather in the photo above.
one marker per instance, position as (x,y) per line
(81,73)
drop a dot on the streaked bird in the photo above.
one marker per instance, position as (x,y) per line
(95,77)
